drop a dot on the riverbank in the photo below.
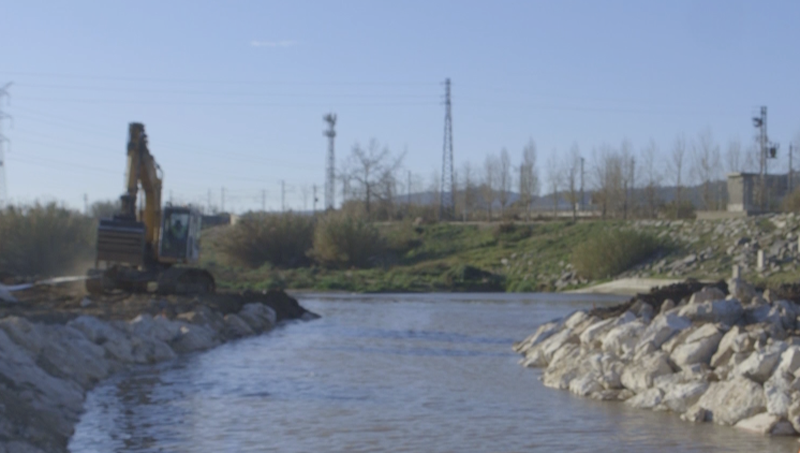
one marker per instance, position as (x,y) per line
(723,353)
(533,257)
(56,346)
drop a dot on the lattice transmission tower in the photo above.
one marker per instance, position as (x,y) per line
(330,170)
(447,190)
(3,141)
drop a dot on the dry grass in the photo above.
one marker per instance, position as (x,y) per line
(345,240)
(279,239)
(611,252)
(44,240)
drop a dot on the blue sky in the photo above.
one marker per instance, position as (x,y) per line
(233,93)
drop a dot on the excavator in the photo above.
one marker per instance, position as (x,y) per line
(151,245)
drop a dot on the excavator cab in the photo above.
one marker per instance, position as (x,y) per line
(179,241)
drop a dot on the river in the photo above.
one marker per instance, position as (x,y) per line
(399,373)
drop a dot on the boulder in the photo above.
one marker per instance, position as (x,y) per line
(696,414)
(760,364)
(777,391)
(554,343)
(765,423)
(794,414)
(647,399)
(202,315)
(709,293)
(678,398)
(733,400)
(666,306)
(677,339)
(158,327)
(115,342)
(621,340)
(534,358)
(593,335)
(663,327)
(790,360)
(258,316)
(699,347)
(725,348)
(194,338)
(639,376)
(740,289)
(542,333)
(586,385)
(564,367)
(757,312)
(235,327)
(715,311)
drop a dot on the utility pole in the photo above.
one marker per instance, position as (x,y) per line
(789,182)
(86,204)
(580,206)
(283,195)
(209,201)
(760,123)
(263,200)
(446,200)
(315,199)
(222,202)
(3,140)
(330,170)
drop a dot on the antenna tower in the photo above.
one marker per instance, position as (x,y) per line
(330,170)
(446,201)
(3,140)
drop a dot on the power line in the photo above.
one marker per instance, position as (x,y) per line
(446,205)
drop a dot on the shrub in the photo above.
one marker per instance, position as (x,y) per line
(791,202)
(685,210)
(44,240)
(279,239)
(612,251)
(345,240)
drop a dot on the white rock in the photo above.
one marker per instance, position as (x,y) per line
(586,385)
(534,358)
(678,339)
(576,319)
(564,368)
(741,290)
(552,344)
(777,392)
(647,399)
(762,423)
(760,364)
(663,327)
(680,397)
(790,360)
(158,327)
(725,348)
(695,414)
(621,340)
(699,346)
(639,376)
(592,336)
(733,400)
(542,333)
(706,294)
(716,311)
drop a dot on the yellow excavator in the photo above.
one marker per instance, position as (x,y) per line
(151,244)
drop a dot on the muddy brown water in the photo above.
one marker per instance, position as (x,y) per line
(407,373)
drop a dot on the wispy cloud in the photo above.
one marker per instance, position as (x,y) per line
(282,43)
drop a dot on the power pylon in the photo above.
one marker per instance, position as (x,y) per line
(447,190)
(330,170)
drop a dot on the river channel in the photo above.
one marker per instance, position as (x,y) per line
(398,373)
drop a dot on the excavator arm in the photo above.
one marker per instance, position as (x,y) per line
(143,170)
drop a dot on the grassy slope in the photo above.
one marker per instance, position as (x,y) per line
(527,258)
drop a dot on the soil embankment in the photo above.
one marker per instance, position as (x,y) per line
(56,343)
(726,353)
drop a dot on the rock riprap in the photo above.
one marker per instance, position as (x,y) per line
(46,369)
(706,355)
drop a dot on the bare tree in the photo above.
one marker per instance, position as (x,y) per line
(528,177)
(554,178)
(490,179)
(373,169)
(706,165)
(627,175)
(571,172)
(468,187)
(652,177)
(733,156)
(676,167)
(504,180)
(608,181)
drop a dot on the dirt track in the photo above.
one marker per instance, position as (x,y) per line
(58,304)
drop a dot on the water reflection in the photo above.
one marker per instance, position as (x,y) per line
(426,373)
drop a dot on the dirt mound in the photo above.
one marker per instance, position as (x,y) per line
(657,296)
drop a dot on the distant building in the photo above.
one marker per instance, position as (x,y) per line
(745,192)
